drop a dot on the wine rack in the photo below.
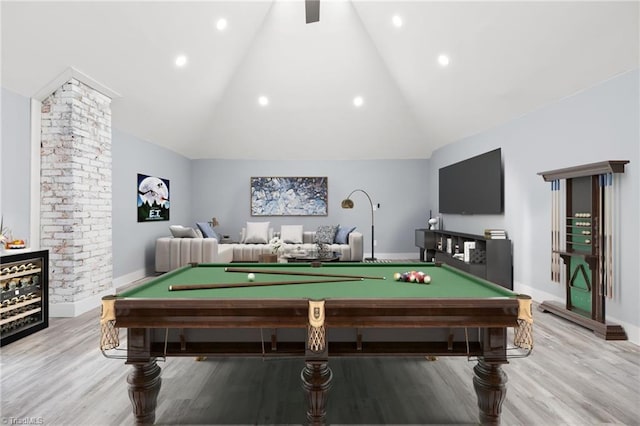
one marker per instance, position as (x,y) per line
(24,291)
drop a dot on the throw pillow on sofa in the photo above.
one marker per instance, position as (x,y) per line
(291,234)
(342,236)
(179,231)
(208,231)
(257,233)
(325,234)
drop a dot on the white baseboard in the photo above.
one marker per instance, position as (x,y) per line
(395,256)
(79,307)
(127,279)
(73,309)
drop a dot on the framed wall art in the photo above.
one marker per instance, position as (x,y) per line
(153,198)
(289,196)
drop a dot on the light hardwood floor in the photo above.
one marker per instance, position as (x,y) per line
(59,377)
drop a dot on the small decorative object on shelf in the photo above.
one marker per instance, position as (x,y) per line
(495,234)
(15,244)
(433,223)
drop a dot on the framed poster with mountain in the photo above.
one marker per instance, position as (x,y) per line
(289,196)
(153,198)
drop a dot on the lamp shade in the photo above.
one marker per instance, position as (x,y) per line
(347,204)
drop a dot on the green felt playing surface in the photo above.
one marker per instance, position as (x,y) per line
(445,283)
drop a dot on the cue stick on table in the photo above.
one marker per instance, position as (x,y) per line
(306,274)
(254,284)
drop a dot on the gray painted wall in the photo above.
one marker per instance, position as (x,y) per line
(598,124)
(133,242)
(221,189)
(15,164)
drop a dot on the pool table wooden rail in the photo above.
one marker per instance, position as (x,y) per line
(275,313)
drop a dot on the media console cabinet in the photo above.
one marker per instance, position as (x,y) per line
(491,259)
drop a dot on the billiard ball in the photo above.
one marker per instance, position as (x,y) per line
(397,276)
(427,279)
(251,276)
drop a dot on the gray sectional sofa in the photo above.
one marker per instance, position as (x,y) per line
(190,247)
(350,252)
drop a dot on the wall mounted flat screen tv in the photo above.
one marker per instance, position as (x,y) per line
(472,186)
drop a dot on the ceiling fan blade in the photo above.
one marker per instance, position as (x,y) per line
(312,9)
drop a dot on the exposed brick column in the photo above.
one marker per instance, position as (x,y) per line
(76,192)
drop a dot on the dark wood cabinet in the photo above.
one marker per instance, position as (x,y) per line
(24,278)
(490,259)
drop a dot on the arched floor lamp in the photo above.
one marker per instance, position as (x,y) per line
(347,203)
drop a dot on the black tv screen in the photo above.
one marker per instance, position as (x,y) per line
(472,186)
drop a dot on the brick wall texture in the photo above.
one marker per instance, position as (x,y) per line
(76,191)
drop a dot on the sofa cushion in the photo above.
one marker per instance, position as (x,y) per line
(325,234)
(291,234)
(179,231)
(342,236)
(208,231)
(257,233)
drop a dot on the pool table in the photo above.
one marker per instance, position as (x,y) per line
(316,312)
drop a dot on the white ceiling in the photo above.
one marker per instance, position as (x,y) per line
(506,59)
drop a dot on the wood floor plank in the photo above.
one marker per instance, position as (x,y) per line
(572,378)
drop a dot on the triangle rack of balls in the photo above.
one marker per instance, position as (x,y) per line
(412,277)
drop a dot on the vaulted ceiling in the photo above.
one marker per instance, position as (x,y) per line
(506,59)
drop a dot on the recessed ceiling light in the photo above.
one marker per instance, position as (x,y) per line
(263,101)
(397,21)
(358,101)
(181,60)
(443,60)
(221,24)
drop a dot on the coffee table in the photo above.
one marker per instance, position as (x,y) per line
(293,257)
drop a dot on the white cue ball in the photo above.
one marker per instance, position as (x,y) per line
(251,276)
(427,279)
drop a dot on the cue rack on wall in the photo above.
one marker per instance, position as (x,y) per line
(582,238)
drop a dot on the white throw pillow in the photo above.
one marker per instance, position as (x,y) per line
(257,233)
(179,231)
(291,234)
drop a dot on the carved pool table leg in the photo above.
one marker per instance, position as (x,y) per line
(144,386)
(489,382)
(316,381)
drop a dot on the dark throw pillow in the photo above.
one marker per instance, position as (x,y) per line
(325,234)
